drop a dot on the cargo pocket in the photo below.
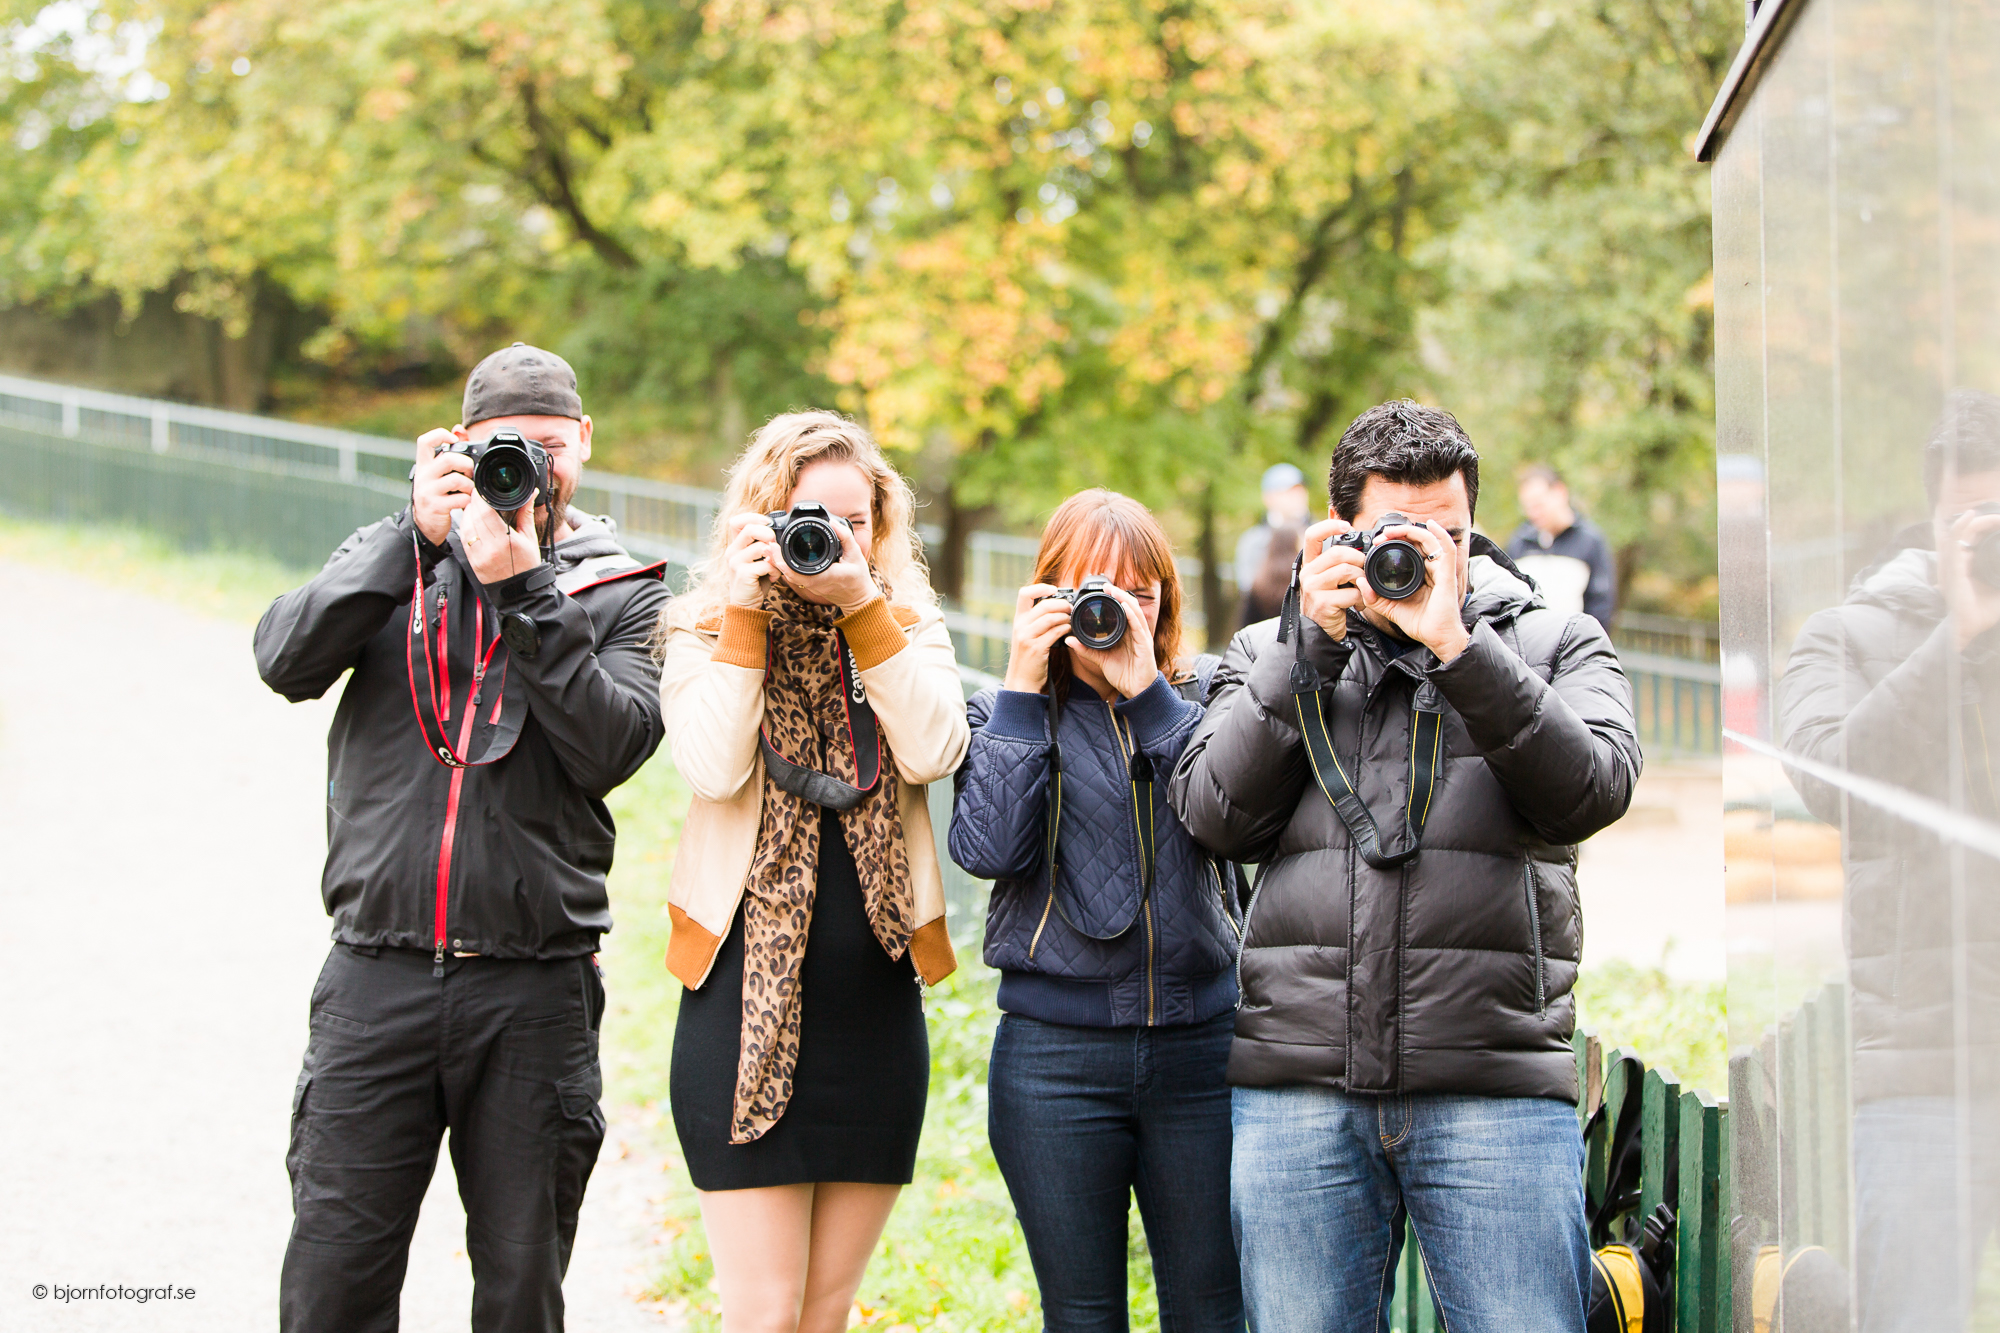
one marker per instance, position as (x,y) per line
(580,1091)
(295,1151)
(299,1092)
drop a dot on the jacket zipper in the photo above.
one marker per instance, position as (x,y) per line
(1215,868)
(1043,923)
(1535,924)
(1125,753)
(1243,936)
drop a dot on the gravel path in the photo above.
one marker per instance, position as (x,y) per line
(162,831)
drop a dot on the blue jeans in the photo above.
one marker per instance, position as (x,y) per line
(1083,1118)
(1927,1196)
(1322,1181)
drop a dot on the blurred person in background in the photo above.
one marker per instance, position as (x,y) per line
(1114,934)
(1265,592)
(1561,550)
(807,711)
(1287,504)
(503,682)
(1402,1047)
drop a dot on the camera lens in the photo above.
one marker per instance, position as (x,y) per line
(505,477)
(811,547)
(1098,621)
(1395,570)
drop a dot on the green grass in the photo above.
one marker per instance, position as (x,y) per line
(952,1258)
(1674,1025)
(227,585)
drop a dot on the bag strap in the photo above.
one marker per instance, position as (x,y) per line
(863,734)
(1426,750)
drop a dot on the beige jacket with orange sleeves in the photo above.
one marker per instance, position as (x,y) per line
(712,686)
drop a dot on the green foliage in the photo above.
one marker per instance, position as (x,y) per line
(1676,1025)
(1036,246)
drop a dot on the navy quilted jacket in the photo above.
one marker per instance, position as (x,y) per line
(1093,949)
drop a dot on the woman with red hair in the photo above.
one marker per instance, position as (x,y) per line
(1113,931)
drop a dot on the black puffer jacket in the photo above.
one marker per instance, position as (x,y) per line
(1093,949)
(1452,973)
(505,859)
(1871,686)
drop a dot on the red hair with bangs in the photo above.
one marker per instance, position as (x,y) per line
(1102,532)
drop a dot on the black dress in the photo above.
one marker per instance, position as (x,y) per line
(863,1071)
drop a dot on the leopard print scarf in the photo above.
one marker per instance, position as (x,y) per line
(806,721)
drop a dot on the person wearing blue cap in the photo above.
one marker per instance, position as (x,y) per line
(1286,506)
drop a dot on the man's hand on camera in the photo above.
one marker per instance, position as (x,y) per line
(1041,620)
(443,482)
(499,549)
(1433,616)
(753,548)
(1329,583)
(1128,666)
(1975,608)
(847,585)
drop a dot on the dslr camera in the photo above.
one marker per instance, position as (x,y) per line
(806,537)
(1095,616)
(1395,565)
(508,469)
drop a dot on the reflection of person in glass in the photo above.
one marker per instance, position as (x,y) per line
(1892,685)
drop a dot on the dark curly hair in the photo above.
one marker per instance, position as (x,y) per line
(1400,441)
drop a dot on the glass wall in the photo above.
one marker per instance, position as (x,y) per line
(1857,212)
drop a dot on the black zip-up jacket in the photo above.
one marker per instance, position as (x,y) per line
(515,851)
(1452,972)
(1094,948)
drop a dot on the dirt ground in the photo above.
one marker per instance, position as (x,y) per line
(162,828)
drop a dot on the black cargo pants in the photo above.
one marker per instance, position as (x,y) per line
(503,1053)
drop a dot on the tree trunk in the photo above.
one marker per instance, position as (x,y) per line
(960,522)
(1218,616)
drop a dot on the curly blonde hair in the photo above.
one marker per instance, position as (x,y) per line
(762,480)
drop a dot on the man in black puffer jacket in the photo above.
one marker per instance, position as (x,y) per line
(1403,1042)
(467,844)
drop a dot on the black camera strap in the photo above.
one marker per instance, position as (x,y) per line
(1426,750)
(822,789)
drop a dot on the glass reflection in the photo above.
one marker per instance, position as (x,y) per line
(1857,210)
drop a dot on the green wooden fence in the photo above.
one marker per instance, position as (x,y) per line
(1683,1128)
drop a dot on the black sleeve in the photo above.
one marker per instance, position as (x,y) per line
(1239,780)
(1564,749)
(598,701)
(311,635)
(1600,597)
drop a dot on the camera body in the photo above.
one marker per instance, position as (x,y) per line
(508,469)
(1986,551)
(807,538)
(1394,565)
(1095,616)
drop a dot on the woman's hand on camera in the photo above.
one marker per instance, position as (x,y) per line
(847,585)
(752,550)
(1127,666)
(441,483)
(1041,620)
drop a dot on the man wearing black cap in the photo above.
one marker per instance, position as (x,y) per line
(497,694)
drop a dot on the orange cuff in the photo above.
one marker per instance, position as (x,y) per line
(931,952)
(690,949)
(873,634)
(745,637)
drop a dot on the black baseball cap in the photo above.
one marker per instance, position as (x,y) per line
(521,381)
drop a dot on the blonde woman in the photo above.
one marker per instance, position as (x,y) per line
(801,930)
